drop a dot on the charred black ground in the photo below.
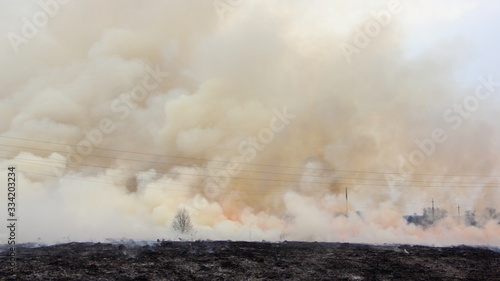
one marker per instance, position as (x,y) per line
(203,260)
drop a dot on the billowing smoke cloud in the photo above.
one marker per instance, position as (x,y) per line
(255,116)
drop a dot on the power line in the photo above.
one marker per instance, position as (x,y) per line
(278,181)
(190,166)
(475,184)
(221,161)
(330,177)
(221,190)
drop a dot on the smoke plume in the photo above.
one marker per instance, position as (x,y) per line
(265,120)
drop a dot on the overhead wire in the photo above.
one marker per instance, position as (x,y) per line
(219,161)
(332,178)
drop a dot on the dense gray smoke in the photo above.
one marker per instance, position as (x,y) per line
(266,119)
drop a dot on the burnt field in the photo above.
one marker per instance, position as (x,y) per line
(250,261)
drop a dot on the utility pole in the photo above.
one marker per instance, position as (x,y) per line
(458,207)
(433,209)
(346,208)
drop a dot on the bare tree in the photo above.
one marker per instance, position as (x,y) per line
(182,221)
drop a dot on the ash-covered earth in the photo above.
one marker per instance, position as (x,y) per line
(223,260)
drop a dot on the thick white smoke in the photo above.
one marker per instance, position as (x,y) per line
(255,116)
